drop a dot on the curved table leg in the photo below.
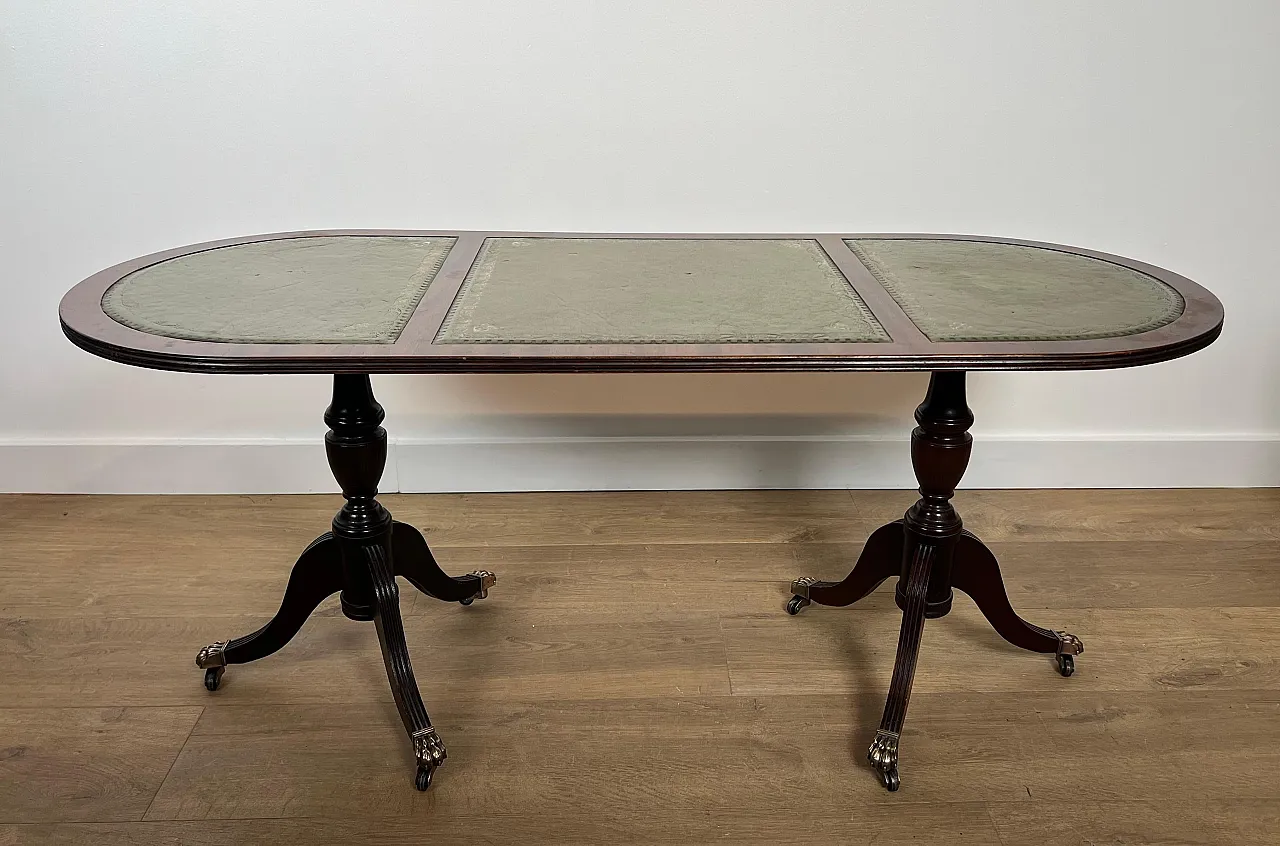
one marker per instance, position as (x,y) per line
(977,573)
(316,576)
(412,559)
(881,558)
(427,746)
(883,754)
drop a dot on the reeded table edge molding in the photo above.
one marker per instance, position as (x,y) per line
(86,324)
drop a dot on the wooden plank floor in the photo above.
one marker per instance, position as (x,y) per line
(633,677)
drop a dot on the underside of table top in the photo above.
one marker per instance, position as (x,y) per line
(395,301)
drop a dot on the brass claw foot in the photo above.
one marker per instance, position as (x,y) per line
(213,660)
(430,752)
(883,756)
(213,655)
(487,580)
(1068,646)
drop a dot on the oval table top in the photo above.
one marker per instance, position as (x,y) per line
(393,301)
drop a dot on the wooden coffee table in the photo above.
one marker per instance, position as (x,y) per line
(356,302)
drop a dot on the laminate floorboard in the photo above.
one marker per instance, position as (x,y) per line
(633,678)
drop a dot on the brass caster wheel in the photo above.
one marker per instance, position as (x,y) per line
(796,603)
(213,676)
(1066,665)
(467,601)
(889,778)
(423,779)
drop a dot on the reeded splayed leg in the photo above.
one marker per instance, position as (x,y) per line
(428,749)
(883,754)
(978,574)
(940,446)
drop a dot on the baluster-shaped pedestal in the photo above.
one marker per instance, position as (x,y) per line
(931,553)
(360,557)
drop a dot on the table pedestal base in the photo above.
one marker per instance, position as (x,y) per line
(931,553)
(361,557)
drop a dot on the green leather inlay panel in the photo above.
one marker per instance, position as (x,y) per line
(337,289)
(979,291)
(655,290)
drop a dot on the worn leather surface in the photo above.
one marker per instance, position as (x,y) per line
(616,290)
(363,289)
(978,291)
(324,290)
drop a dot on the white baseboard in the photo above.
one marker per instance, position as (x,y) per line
(203,466)
(632,463)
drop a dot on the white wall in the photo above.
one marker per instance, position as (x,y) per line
(1148,129)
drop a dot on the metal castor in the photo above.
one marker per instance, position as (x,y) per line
(889,778)
(796,603)
(213,676)
(486,581)
(423,779)
(1066,665)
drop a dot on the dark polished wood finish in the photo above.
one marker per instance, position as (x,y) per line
(977,574)
(412,561)
(85,323)
(940,447)
(360,557)
(316,577)
(356,445)
(927,549)
(881,558)
(931,553)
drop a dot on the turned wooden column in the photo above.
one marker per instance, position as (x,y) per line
(940,446)
(356,445)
